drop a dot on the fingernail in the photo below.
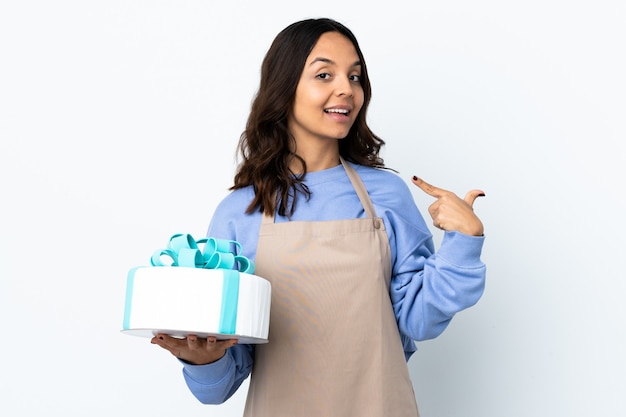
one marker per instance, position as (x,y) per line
(160,337)
(415,178)
(481,195)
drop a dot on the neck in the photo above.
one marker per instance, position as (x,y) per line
(317,159)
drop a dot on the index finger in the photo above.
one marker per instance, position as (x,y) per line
(431,190)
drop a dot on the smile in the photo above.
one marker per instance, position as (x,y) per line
(339,111)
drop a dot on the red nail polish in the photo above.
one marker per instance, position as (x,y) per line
(415,178)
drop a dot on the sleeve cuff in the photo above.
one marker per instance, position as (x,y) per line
(461,250)
(210,373)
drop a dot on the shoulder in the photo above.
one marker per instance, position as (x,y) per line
(231,212)
(236,202)
(392,198)
(230,221)
(379,176)
(384,184)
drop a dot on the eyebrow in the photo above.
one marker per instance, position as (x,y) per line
(356,63)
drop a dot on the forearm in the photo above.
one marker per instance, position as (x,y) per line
(425,300)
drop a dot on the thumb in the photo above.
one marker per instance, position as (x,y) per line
(472,195)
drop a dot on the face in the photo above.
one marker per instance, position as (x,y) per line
(329,95)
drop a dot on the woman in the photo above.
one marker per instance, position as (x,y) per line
(355,279)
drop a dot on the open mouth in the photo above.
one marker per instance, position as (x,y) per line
(344,112)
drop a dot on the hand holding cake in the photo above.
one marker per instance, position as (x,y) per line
(194,350)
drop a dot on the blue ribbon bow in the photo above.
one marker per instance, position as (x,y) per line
(183,250)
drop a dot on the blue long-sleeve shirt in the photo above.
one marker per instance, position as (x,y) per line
(427,288)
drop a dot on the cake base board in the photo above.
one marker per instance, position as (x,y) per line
(150,333)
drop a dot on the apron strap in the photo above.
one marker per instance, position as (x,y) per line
(267,219)
(360,189)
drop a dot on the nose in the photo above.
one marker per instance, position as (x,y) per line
(344,87)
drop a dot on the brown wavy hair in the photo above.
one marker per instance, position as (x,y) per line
(266,146)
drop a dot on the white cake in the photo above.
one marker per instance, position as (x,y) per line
(180,301)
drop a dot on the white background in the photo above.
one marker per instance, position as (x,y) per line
(118,127)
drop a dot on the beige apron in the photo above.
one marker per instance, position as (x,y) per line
(334,347)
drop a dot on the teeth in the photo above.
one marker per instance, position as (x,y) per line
(342,111)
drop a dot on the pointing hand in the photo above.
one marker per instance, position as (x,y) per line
(449,212)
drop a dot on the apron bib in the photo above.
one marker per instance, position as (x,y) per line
(334,347)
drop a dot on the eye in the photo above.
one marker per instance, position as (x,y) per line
(323,76)
(355,78)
